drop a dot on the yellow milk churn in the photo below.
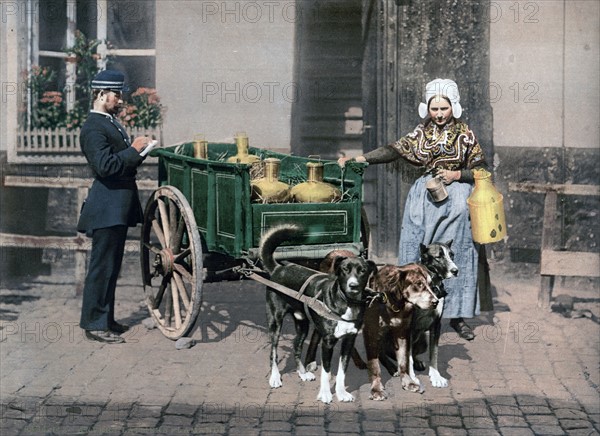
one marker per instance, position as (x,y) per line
(200,147)
(269,189)
(486,208)
(315,190)
(242,156)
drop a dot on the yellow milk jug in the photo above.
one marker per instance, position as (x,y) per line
(242,156)
(486,208)
(315,190)
(269,189)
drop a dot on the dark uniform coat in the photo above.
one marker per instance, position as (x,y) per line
(113,198)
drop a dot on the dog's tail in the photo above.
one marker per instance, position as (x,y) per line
(273,239)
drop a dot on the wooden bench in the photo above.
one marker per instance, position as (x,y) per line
(559,263)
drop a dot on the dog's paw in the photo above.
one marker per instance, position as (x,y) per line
(408,384)
(415,379)
(437,381)
(275,379)
(345,397)
(325,396)
(307,376)
(312,366)
(378,396)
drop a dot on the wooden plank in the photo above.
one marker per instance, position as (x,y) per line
(34,139)
(72,141)
(28,241)
(546,286)
(570,263)
(549,222)
(78,243)
(63,182)
(540,188)
(80,255)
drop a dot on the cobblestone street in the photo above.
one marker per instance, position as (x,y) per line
(527,371)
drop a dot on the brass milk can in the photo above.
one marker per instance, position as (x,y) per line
(242,156)
(315,190)
(269,189)
(486,208)
(200,147)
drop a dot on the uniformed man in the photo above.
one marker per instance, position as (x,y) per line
(111,207)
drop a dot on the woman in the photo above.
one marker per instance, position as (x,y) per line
(446,148)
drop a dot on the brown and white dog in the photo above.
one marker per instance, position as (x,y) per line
(389,321)
(425,328)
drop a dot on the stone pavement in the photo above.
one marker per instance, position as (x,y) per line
(527,372)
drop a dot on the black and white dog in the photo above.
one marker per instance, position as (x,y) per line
(438,258)
(343,292)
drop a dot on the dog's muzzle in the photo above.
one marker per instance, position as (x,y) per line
(434,299)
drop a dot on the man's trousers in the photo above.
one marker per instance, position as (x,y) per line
(98,308)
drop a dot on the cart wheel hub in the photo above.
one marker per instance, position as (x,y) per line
(164,261)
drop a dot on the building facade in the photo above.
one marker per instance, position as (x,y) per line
(336,77)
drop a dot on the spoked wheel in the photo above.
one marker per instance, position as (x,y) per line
(171,255)
(365,230)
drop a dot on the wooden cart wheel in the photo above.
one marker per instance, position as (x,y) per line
(365,230)
(171,256)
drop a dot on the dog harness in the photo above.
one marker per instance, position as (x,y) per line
(317,295)
(385,300)
(317,305)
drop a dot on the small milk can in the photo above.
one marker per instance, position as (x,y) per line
(200,147)
(242,156)
(486,208)
(315,190)
(269,189)
(436,189)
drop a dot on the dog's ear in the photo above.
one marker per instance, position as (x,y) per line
(422,248)
(449,243)
(402,284)
(372,267)
(338,260)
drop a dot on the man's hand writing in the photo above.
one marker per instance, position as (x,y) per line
(140,143)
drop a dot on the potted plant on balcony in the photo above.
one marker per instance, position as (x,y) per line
(51,126)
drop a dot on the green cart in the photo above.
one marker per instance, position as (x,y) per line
(202,225)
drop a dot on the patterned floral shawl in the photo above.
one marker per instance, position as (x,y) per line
(453,147)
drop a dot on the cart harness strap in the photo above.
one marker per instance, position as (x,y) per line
(317,305)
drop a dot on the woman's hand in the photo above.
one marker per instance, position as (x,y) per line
(342,160)
(448,176)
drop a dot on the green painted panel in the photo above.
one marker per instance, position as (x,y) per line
(199,197)
(227,210)
(176,176)
(325,223)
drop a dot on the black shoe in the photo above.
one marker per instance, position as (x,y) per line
(115,327)
(463,330)
(105,336)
